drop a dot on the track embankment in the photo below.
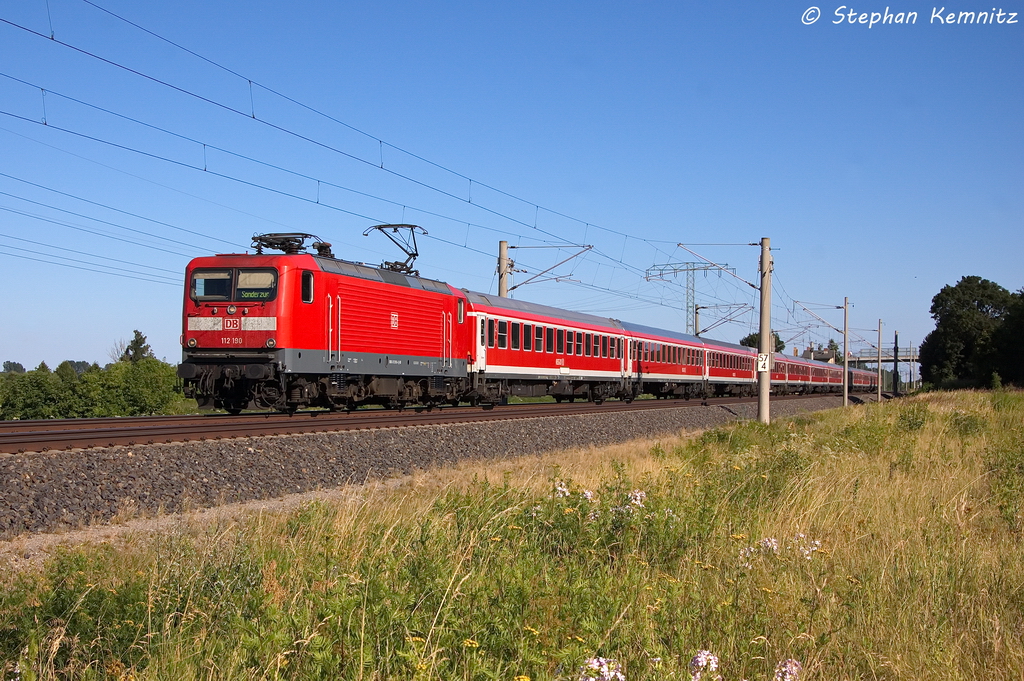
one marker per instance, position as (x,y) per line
(50,491)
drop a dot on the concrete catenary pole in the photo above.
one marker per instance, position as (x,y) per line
(767,344)
(503,269)
(879,397)
(846,352)
(696,320)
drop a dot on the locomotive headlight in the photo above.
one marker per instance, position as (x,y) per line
(232,309)
(192,342)
(271,342)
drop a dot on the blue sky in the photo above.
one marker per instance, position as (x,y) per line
(883,162)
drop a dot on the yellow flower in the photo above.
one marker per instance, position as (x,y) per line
(568,510)
(495,538)
(531,630)
(415,639)
(522,677)
(738,536)
(470,643)
(514,527)
(735,467)
(421,666)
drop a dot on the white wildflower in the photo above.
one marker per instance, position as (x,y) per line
(602,669)
(788,670)
(768,545)
(561,490)
(703,661)
(637,497)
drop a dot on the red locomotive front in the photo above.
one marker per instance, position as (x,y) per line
(298,329)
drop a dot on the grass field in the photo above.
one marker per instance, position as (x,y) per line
(875,542)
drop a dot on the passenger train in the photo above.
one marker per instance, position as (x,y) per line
(295,329)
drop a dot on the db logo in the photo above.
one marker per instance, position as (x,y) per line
(232,324)
(394,320)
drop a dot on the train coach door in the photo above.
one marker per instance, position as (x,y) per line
(481,343)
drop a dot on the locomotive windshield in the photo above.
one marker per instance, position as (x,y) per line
(239,285)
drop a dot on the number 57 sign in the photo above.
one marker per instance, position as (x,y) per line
(763,363)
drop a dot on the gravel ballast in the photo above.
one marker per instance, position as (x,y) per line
(65,490)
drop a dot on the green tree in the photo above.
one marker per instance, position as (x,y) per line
(754,341)
(959,350)
(1008,342)
(13,368)
(32,395)
(137,349)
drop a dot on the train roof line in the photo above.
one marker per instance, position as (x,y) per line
(365,271)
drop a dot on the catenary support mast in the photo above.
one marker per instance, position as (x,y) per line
(767,349)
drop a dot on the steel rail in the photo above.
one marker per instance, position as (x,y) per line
(44,435)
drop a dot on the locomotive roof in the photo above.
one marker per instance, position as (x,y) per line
(355,269)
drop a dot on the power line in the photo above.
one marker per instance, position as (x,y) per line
(116,210)
(86,230)
(91,255)
(381,142)
(87,269)
(318,202)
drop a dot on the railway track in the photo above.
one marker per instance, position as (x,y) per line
(67,434)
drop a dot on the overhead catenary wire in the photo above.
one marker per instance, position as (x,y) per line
(190,166)
(252,114)
(381,142)
(87,230)
(90,269)
(91,255)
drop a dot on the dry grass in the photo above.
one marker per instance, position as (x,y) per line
(898,556)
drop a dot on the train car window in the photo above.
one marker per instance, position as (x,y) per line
(579,343)
(490,333)
(570,345)
(587,340)
(528,337)
(461,305)
(561,341)
(604,346)
(550,345)
(307,287)
(483,336)
(502,334)
(211,285)
(256,285)
(618,344)
(516,327)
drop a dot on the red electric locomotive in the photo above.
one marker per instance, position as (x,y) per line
(290,330)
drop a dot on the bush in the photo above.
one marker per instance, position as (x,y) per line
(147,386)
